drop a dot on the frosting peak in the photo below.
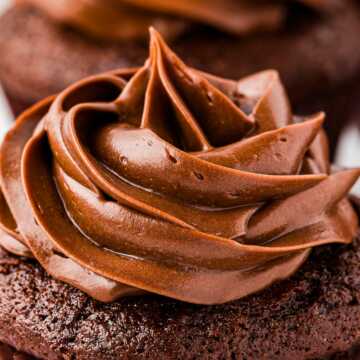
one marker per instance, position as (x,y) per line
(168,180)
(124,19)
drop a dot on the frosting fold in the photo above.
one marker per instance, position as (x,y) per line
(167,180)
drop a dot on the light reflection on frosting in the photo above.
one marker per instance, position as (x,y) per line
(167,180)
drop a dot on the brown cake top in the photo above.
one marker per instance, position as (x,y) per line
(129,19)
(168,180)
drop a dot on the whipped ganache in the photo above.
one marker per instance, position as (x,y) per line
(164,179)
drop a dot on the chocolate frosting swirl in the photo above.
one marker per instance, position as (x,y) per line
(128,19)
(168,180)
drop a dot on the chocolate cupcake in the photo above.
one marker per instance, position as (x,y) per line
(162,212)
(46,45)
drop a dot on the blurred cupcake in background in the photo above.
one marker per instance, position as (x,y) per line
(48,44)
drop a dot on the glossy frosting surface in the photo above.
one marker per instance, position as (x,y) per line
(167,180)
(129,19)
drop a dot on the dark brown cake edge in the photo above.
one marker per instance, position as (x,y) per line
(8,353)
(17,104)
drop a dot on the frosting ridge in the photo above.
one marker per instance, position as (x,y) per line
(168,180)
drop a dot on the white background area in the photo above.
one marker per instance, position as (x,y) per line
(5,114)
(348,154)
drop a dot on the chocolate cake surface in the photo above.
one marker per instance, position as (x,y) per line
(313,315)
(320,71)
